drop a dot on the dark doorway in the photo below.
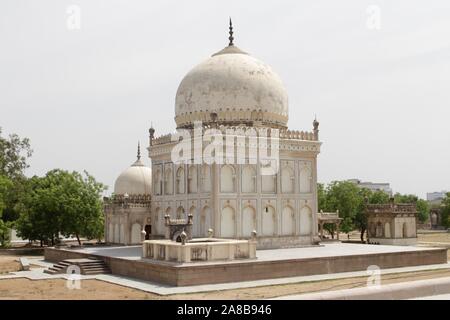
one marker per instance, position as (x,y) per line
(148,231)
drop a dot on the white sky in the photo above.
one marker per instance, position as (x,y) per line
(85,97)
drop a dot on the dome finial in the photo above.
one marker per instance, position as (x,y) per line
(231,34)
(139,151)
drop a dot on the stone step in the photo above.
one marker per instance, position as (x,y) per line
(87,266)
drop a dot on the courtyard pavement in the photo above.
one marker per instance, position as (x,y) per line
(324,250)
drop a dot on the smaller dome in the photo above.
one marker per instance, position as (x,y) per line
(136,180)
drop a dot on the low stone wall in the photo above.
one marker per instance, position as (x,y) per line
(196,274)
(22,252)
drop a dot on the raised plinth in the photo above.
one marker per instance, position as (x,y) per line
(270,264)
(207,249)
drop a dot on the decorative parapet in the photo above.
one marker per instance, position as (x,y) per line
(128,201)
(240,130)
(391,208)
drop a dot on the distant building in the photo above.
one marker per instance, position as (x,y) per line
(392,224)
(436,196)
(386,187)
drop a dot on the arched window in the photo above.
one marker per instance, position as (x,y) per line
(305,221)
(405,230)
(248,179)
(248,221)
(180,180)
(268,221)
(205,178)
(287,180)
(168,181)
(158,182)
(227,226)
(288,222)
(379,230)
(205,221)
(136,233)
(227,179)
(192,179)
(305,180)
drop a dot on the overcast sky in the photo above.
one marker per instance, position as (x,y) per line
(86,96)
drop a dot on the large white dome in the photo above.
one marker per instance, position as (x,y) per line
(231,88)
(136,180)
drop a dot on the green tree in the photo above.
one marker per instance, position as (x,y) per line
(423,209)
(5,185)
(61,203)
(322,196)
(343,196)
(445,215)
(14,153)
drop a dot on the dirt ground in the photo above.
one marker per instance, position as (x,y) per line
(95,289)
(9,264)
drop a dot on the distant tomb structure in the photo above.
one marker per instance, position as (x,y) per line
(392,224)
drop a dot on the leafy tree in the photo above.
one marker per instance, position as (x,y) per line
(14,153)
(61,203)
(422,206)
(445,215)
(321,196)
(5,185)
(343,196)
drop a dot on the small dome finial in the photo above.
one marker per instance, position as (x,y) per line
(231,34)
(139,151)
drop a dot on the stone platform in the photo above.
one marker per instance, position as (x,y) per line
(270,264)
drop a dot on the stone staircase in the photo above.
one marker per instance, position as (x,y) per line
(87,267)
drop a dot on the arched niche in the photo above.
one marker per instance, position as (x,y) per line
(248,221)
(192,179)
(168,180)
(288,221)
(227,225)
(227,179)
(248,179)
(180,180)
(305,221)
(287,179)
(206,178)
(268,221)
(136,230)
(305,180)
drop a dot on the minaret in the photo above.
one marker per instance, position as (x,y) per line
(151,132)
(316,129)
